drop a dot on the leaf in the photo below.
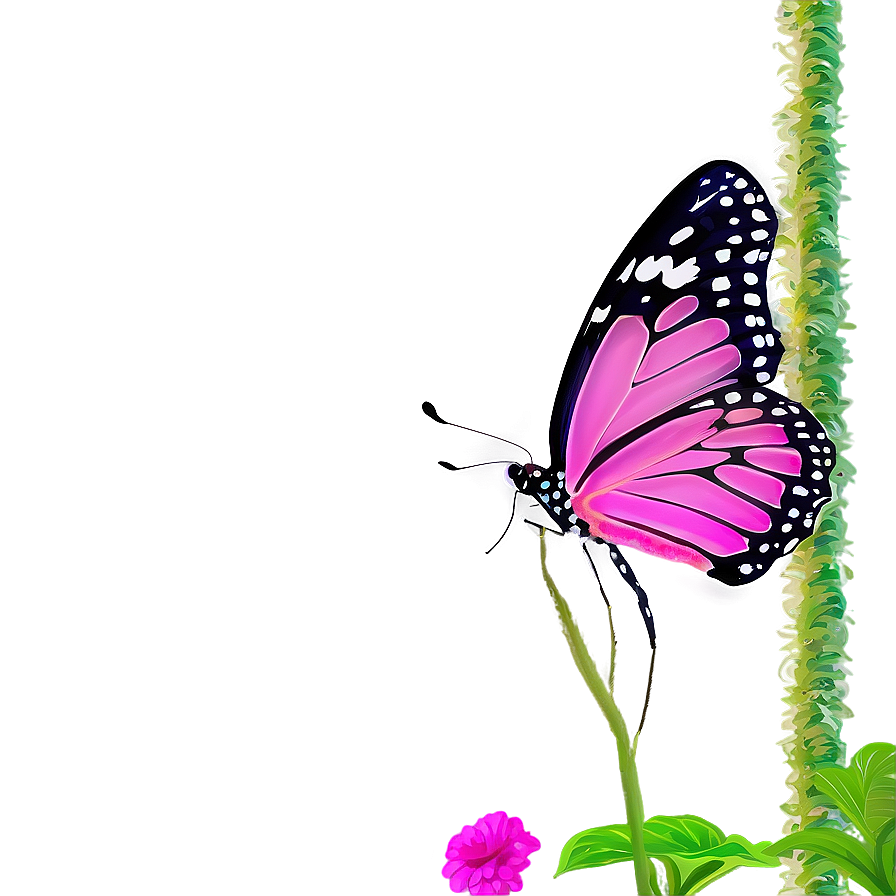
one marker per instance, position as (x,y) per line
(848,855)
(681,832)
(865,791)
(596,847)
(693,851)
(700,875)
(885,854)
(668,877)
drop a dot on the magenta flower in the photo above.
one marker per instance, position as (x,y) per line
(487,857)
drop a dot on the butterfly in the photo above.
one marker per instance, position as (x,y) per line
(665,436)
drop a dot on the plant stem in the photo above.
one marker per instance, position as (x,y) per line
(813,368)
(628,771)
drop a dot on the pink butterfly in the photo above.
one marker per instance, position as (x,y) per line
(664,435)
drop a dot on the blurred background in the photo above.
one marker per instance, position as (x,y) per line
(249,637)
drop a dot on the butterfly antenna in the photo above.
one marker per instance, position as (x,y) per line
(507,527)
(447,466)
(431,412)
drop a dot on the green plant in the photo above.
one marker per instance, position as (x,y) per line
(813,367)
(865,794)
(628,770)
(693,851)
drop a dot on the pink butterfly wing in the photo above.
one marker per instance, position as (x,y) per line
(727,483)
(638,373)
(668,437)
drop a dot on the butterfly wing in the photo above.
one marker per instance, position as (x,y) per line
(669,440)
(701,255)
(729,483)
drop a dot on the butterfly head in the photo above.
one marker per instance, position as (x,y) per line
(520,476)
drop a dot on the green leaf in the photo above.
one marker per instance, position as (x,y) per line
(693,851)
(865,791)
(847,854)
(668,877)
(700,875)
(680,833)
(885,854)
(596,847)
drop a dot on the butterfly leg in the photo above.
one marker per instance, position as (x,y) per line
(625,571)
(539,527)
(603,594)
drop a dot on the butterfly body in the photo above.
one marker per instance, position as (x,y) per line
(548,487)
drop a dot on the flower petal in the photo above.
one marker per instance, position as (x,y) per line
(460,879)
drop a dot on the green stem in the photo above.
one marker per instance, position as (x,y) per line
(813,368)
(628,770)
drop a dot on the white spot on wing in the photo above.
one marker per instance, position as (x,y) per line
(623,277)
(673,276)
(598,316)
(680,236)
(701,202)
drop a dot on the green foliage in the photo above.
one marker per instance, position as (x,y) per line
(628,772)
(813,367)
(847,854)
(693,851)
(865,793)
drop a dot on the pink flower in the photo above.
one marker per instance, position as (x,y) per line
(487,857)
